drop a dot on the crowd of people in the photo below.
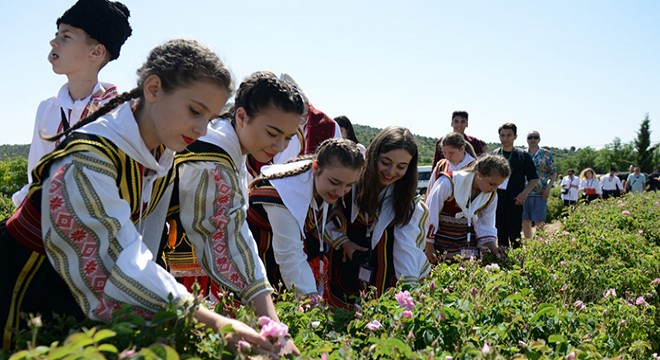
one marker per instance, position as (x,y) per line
(136,196)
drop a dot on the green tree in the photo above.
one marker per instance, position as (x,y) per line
(13,175)
(643,146)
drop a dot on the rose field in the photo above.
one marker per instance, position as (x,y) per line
(589,290)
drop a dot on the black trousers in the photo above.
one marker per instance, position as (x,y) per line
(508,221)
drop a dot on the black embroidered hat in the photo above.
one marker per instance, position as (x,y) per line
(106,21)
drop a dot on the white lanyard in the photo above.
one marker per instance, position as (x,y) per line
(316,222)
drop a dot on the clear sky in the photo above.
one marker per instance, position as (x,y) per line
(580,72)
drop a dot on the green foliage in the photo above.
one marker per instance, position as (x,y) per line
(6,206)
(11,151)
(643,146)
(551,299)
(13,175)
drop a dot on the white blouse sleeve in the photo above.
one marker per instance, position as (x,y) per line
(410,262)
(435,200)
(484,227)
(213,215)
(93,244)
(289,252)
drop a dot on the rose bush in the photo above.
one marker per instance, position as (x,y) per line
(588,291)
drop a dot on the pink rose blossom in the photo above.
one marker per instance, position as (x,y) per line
(407,313)
(442,317)
(656,281)
(493,266)
(610,292)
(566,233)
(449,357)
(460,268)
(578,304)
(374,325)
(274,330)
(640,301)
(625,212)
(623,322)
(641,231)
(324,356)
(649,295)
(485,350)
(358,314)
(562,263)
(405,300)
(445,291)
(570,356)
(432,285)
(264,320)
(244,345)
(358,307)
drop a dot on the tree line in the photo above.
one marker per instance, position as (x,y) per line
(640,151)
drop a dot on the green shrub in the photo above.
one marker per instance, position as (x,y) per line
(590,291)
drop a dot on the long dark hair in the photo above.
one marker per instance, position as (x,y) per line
(177,63)
(405,189)
(345,123)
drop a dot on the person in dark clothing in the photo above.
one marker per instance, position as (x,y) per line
(512,194)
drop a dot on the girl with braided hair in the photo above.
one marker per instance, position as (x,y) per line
(83,243)
(289,210)
(382,241)
(210,237)
(462,205)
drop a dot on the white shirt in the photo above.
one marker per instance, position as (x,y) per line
(572,185)
(611,182)
(49,118)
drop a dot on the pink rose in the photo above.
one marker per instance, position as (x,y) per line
(656,281)
(485,350)
(405,300)
(640,301)
(407,313)
(625,212)
(374,325)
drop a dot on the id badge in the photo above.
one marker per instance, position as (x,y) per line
(366,273)
(469,253)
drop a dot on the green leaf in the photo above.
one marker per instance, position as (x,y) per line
(556,338)
(103,334)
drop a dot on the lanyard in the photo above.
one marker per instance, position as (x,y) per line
(316,222)
(502,154)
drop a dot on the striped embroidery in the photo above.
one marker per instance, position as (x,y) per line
(219,238)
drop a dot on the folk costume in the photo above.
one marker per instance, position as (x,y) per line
(479,147)
(396,251)
(55,115)
(84,241)
(211,235)
(445,165)
(288,224)
(460,224)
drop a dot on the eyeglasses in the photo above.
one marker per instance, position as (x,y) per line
(533,137)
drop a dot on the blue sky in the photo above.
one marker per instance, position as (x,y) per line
(580,72)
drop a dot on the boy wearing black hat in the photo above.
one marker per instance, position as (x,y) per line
(89,35)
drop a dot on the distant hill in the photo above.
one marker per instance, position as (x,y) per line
(364,133)
(11,151)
